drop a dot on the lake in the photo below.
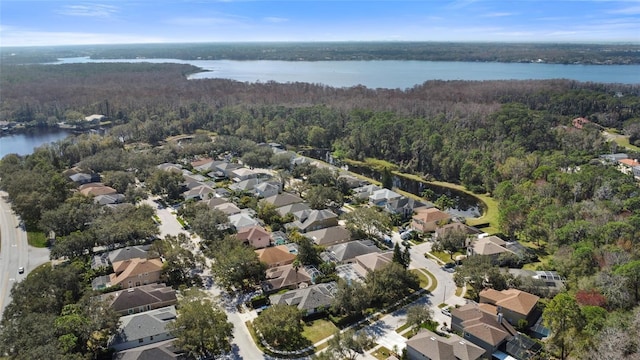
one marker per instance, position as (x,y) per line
(25,142)
(390,74)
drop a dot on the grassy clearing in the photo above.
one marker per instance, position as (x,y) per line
(318,329)
(375,164)
(622,140)
(37,239)
(402,328)
(424,280)
(459,291)
(434,281)
(444,256)
(544,258)
(382,353)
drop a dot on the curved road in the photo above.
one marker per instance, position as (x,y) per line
(15,252)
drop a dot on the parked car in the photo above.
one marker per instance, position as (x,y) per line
(21,270)
(407,234)
(446,312)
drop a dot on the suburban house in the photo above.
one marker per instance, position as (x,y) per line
(404,206)
(382,197)
(545,283)
(130,252)
(143,328)
(256,236)
(310,300)
(211,203)
(228,208)
(285,277)
(242,220)
(135,272)
(486,330)
(310,220)
(346,253)
(109,199)
(227,168)
(242,174)
(428,345)
(276,256)
(329,236)
(206,165)
(200,162)
(164,350)
(613,158)
(283,199)
(456,227)
(292,208)
(513,304)
(491,246)
(81,178)
(95,189)
(247,185)
(200,192)
(363,192)
(627,165)
(364,264)
(193,180)
(429,219)
(141,298)
(266,189)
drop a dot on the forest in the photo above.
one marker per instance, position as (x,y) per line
(333,51)
(512,139)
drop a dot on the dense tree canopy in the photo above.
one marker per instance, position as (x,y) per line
(201,327)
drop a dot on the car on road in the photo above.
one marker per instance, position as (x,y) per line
(446,312)
(21,270)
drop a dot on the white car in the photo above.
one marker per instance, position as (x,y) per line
(21,270)
(446,312)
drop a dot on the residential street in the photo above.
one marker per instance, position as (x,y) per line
(383,330)
(243,345)
(15,252)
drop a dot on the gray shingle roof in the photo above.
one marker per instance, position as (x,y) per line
(309,298)
(144,325)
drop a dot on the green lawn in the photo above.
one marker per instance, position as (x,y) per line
(37,239)
(543,256)
(424,280)
(318,329)
(434,281)
(622,140)
(382,353)
(444,256)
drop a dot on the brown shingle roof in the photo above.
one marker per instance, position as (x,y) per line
(431,214)
(276,255)
(134,267)
(512,299)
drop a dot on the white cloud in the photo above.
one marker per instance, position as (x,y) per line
(273,19)
(12,36)
(207,20)
(89,10)
(633,10)
(498,14)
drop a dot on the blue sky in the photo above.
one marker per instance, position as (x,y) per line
(62,22)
